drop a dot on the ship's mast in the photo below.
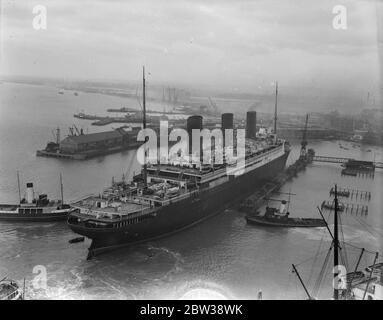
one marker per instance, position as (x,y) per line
(58,135)
(304,139)
(301,281)
(61,189)
(336,242)
(18,186)
(144,121)
(275,111)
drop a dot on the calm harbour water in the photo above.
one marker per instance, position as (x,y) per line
(220,258)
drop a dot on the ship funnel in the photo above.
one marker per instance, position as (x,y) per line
(30,192)
(193,122)
(227,121)
(282,208)
(251,122)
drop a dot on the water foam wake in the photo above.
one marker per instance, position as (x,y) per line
(177,258)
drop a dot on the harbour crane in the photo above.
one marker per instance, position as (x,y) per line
(79,132)
(213,105)
(175,96)
(303,153)
(56,135)
(74,131)
(71,131)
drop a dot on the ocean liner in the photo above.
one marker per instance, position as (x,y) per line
(166,198)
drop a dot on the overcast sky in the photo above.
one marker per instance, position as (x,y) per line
(225,43)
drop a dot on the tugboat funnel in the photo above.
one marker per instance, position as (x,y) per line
(30,192)
(282,207)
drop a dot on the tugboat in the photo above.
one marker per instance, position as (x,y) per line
(35,209)
(9,290)
(275,217)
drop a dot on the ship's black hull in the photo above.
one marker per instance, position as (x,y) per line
(286,223)
(182,214)
(46,218)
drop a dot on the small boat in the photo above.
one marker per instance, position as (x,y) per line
(330,205)
(9,290)
(348,172)
(341,193)
(76,240)
(274,218)
(35,209)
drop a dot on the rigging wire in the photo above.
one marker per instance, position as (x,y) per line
(309,259)
(316,257)
(360,248)
(128,169)
(366,227)
(365,261)
(343,251)
(329,266)
(322,272)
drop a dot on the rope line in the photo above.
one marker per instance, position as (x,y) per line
(322,272)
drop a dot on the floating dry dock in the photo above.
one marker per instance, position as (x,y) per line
(257,199)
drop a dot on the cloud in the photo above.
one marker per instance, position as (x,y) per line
(193,41)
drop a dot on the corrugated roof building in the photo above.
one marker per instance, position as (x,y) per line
(93,141)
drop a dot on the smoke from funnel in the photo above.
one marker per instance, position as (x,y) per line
(255,106)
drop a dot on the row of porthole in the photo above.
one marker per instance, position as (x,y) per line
(131,221)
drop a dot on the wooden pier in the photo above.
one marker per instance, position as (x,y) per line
(352,193)
(351,208)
